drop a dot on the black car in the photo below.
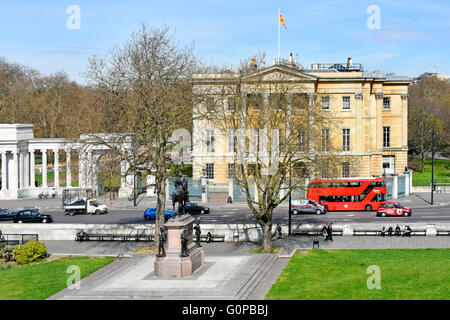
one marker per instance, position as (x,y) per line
(32,215)
(193,208)
(7,215)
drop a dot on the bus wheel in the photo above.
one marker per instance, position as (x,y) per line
(368,207)
(318,212)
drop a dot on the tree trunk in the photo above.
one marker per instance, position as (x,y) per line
(266,236)
(160,204)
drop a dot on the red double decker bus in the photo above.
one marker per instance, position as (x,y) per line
(348,193)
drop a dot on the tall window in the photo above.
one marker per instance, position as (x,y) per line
(345,170)
(255,101)
(325,102)
(345,139)
(301,139)
(231,104)
(346,103)
(386,103)
(277,101)
(210,104)
(230,139)
(210,171)
(386,137)
(209,140)
(325,139)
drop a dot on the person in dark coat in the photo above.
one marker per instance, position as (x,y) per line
(280,235)
(329,232)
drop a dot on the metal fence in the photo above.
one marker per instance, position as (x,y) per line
(401,186)
(194,187)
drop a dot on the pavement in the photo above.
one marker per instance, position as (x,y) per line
(230,270)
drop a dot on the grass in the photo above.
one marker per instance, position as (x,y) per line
(441,171)
(40,281)
(342,274)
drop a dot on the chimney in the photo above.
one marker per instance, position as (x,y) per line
(263,65)
(253,65)
(291,58)
(349,63)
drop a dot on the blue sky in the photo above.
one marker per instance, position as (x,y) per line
(413,38)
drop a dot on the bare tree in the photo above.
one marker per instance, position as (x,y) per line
(274,127)
(147,87)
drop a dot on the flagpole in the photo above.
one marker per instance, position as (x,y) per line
(279,14)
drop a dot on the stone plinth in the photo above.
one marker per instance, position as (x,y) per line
(172,265)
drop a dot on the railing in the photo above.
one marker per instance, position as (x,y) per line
(19,238)
(343,67)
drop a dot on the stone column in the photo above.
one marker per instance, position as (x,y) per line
(410,181)
(231,188)
(56,168)
(27,170)
(4,171)
(44,168)
(395,186)
(68,171)
(151,180)
(15,172)
(21,170)
(32,172)
(406,174)
(204,190)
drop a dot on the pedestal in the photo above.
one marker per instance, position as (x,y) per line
(173,265)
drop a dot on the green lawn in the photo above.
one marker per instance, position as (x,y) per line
(441,172)
(342,274)
(40,281)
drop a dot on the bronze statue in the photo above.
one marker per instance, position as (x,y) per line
(184,244)
(197,233)
(181,193)
(162,240)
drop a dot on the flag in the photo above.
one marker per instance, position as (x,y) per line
(282,21)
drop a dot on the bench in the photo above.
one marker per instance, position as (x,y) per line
(214,238)
(378,233)
(315,233)
(440,232)
(115,237)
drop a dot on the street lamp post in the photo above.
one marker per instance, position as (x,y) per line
(432,167)
(290,200)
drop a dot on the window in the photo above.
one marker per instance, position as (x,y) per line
(386,103)
(299,101)
(325,101)
(386,137)
(325,139)
(346,103)
(210,171)
(277,101)
(301,139)
(255,101)
(231,105)
(345,170)
(231,140)
(231,170)
(388,164)
(210,140)
(210,104)
(345,139)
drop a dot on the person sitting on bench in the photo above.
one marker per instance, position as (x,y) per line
(390,230)
(383,231)
(82,235)
(397,231)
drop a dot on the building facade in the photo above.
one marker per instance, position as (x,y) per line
(369,112)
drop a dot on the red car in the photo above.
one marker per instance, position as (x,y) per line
(392,208)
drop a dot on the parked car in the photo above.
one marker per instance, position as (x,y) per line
(150,213)
(393,208)
(32,215)
(308,206)
(7,215)
(193,208)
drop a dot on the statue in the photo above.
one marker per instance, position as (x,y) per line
(184,244)
(162,240)
(180,194)
(197,233)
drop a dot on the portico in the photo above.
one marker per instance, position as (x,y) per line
(18,149)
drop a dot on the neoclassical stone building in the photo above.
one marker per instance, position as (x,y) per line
(369,110)
(18,148)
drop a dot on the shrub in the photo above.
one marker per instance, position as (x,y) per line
(30,252)
(6,252)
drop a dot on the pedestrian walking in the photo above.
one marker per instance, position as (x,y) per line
(280,235)
(329,232)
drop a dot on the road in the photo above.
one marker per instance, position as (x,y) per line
(241,214)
